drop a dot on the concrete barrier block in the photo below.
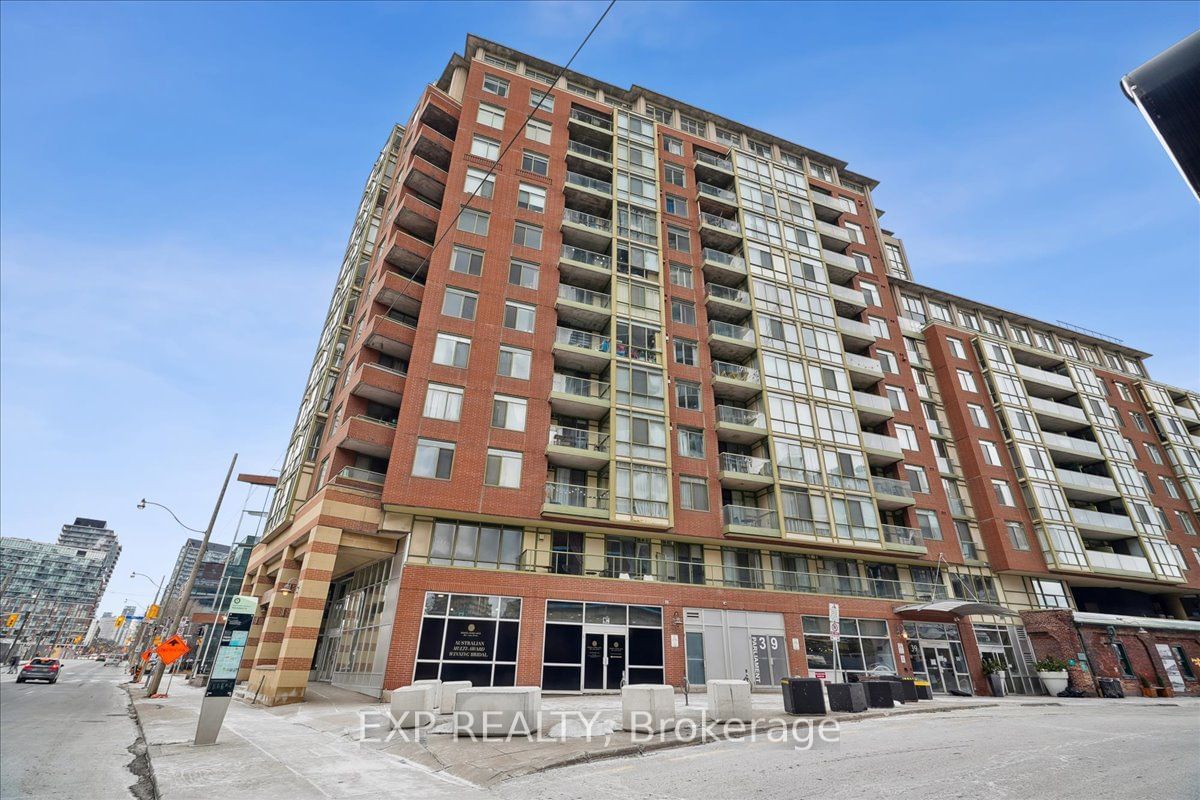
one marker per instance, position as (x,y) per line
(497,710)
(729,700)
(647,707)
(449,690)
(435,684)
(412,706)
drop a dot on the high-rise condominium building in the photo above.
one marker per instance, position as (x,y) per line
(612,388)
(93,534)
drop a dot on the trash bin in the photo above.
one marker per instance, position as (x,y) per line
(924,690)
(879,694)
(802,695)
(909,685)
(1111,687)
(847,697)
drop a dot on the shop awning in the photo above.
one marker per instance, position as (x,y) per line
(956,608)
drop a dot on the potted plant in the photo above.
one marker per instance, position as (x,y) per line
(1053,673)
(996,671)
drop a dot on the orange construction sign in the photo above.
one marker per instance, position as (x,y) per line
(149,651)
(172,649)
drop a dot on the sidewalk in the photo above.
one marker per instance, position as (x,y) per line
(316,748)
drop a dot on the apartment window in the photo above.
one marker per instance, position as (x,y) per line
(459,303)
(485,148)
(536,163)
(888,362)
(519,316)
(1185,522)
(907,437)
(1020,334)
(956,347)
(729,137)
(433,459)
(687,395)
(678,239)
(1169,486)
(1017,536)
(508,412)
(939,311)
(691,443)
(870,292)
(993,326)
(580,89)
(1003,493)
(967,381)
(927,521)
(503,469)
(542,100)
(479,183)
(527,235)
(472,221)
(1139,421)
(493,84)
(681,275)
(855,231)
(686,352)
(692,126)
(969,319)
(514,362)
(451,351)
(670,143)
(693,493)
(674,174)
(1123,390)
(1123,660)
(820,171)
(991,453)
(896,398)
(443,402)
(466,260)
(676,205)
(917,479)
(1154,453)
(538,131)
(490,115)
(978,416)
(683,312)
(1185,665)
(523,274)
(531,198)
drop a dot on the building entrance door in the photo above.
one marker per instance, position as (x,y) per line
(939,663)
(603,660)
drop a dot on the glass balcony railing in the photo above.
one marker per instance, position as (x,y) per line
(595,184)
(957,507)
(737,372)
(720,222)
(724,259)
(570,494)
(587,220)
(589,151)
(586,256)
(897,534)
(745,465)
(891,486)
(750,517)
(364,475)
(716,191)
(730,331)
(578,438)
(585,340)
(719,292)
(585,297)
(579,387)
(705,157)
(591,119)
(741,416)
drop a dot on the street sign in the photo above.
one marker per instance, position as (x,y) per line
(152,612)
(835,622)
(119,621)
(11,622)
(172,650)
(225,668)
(149,651)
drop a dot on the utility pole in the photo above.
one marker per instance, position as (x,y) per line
(147,626)
(181,602)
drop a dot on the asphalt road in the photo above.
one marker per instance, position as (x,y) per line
(67,740)
(1083,750)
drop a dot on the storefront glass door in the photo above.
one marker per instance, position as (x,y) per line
(603,660)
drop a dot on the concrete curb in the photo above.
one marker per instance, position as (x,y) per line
(142,766)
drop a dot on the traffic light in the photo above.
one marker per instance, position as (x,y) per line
(119,621)
(152,612)
(11,621)
(78,639)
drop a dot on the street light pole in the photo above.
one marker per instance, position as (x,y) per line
(146,625)
(181,602)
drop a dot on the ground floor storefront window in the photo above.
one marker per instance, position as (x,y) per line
(469,637)
(601,646)
(1008,643)
(736,645)
(865,646)
(351,649)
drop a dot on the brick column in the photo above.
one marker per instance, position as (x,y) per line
(256,584)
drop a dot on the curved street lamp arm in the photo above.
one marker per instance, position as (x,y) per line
(146,502)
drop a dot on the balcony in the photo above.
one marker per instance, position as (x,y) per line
(417,217)
(590,125)
(576,500)
(1102,525)
(582,350)
(855,333)
(881,450)
(399,293)
(891,494)
(588,231)
(846,299)
(1086,487)
(584,156)
(378,383)
(729,342)
(408,254)
(1071,450)
(726,303)
(749,521)
(745,472)
(723,267)
(359,475)
(1118,563)
(389,334)
(719,232)
(577,448)
(583,267)
(432,145)
(905,540)
(911,327)
(366,435)
(1054,416)
(872,409)
(734,381)
(579,397)
(865,371)
(946,466)
(833,238)
(741,425)
(840,267)
(713,168)
(828,208)
(591,193)
(583,308)
(958,507)
(442,120)
(424,178)
(1044,383)
(709,196)
(1187,414)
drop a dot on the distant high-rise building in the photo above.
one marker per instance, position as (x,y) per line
(93,534)
(614,389)
(208,579)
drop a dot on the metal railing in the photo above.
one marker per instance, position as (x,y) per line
(586,297)
(705,157)
(750,517)
(745,465)
(898,534)
(587,220)
(589,151)
(716,191)
(591,119)
(578,179)
(578,438)
(364,475)
(585,340)
(737,372)
(570,494)
(718,327)
(741,416)
(719,222)
(391,423)
(579,387)
(586,256)
(727,293)
(891,486)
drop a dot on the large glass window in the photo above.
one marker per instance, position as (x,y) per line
(466,637)
(865,646)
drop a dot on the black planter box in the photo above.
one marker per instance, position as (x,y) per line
(899,693)
(803,696)
(909,687)
(924,691)
(880,693)
(847,697)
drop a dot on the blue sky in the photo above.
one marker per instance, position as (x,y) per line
(178,181)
